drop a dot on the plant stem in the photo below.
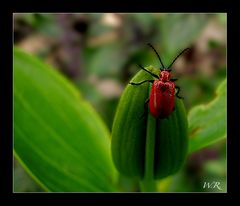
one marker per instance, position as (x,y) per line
(148,184)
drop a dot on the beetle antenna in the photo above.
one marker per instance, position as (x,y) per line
(176,58)
(157,55)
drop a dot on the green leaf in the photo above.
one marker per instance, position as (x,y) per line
(207,123)
(58,137)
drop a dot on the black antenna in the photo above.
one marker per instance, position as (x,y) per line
(157,55)
(176,58)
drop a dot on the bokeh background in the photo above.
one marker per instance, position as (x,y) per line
(99,53)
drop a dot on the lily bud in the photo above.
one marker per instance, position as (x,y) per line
(130,132)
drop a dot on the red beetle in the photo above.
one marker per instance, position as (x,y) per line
(161,101)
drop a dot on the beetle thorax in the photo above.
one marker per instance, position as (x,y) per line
(165,76)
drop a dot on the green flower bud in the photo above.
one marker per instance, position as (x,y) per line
(142,142)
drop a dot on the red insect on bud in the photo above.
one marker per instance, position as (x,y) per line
(161,100)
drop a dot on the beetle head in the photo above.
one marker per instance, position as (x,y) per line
(165,75)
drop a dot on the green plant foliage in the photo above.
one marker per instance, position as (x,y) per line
(180,30)
(107,60)
(129,130)
(144,21)
(172,142)
(207,123)
(65,146)
(146,146)
(58,137)
(43,23)
(22,181)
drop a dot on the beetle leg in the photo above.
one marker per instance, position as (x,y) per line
(154,75)
(139,83)
(178,90)
(145,108)
(173,80)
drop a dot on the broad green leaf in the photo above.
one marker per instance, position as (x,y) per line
(207,123)
(58,137)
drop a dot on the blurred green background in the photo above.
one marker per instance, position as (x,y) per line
(99,53)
